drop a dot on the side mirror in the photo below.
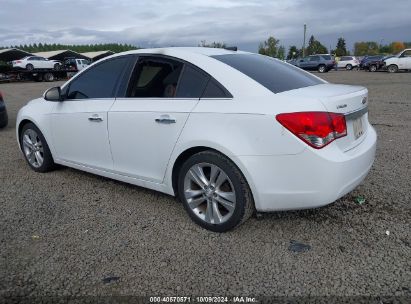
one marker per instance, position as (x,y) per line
(301,60)
(53,94)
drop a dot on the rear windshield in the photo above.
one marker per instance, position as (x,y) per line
(273,74)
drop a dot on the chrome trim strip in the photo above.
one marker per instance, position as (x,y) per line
(357,113)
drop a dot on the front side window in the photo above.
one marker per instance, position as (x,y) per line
(406,54)
(273,74)
(315,58)
(98,82)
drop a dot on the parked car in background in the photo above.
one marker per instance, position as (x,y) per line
(321,63)
(372,63)
(4,119)
(401,61)
(36,62)
(348,62)
(184,121)
(76,64)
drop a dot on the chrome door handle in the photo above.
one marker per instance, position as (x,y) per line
(165,119)
(95,118)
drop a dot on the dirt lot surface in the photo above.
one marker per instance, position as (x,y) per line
(69,233)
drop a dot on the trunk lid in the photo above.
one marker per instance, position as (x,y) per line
(352,101)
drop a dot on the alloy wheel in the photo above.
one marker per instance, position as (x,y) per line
(209,193)
(33,148)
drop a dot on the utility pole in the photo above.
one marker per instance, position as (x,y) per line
(305,30)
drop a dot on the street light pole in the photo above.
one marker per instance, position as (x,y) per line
(305,30)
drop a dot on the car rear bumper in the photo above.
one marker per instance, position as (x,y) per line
(311,179)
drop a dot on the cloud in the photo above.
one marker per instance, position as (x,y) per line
(185,22)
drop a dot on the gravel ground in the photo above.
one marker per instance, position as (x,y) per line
(70,233)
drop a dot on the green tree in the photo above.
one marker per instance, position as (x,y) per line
(315,47)
(269,47)
(385,49)
(293,52)
(363,48)
(281,52)
(341,49)
(218,45)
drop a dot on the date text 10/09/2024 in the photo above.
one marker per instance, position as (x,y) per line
(203,300)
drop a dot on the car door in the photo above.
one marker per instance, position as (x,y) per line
(404,61)
(79,123)
(35,62)
(145,124)
(342,63)
(313,62)
(41,63)
(303,63)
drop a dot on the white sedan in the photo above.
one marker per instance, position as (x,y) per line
(36,62)
(229,133)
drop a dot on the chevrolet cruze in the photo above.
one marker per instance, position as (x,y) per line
(229,133)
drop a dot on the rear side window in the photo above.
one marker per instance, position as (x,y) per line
(326,57)
(155,77)
(215,90)
(273,74)
(99,81)
(192,83)
(315,58)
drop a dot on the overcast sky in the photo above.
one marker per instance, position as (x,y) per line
(185,23)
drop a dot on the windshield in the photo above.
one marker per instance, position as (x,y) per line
(273,74)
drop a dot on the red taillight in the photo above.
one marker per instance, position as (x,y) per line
(17,61)
(317,129)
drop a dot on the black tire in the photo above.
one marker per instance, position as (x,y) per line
(322,68)
(372,68)
(392,68)
(244,204)
(48,162)
(29,67)
(48,77)
(57,67)
(348,67)
(4,119)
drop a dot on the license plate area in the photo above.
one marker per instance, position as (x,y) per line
(358,127)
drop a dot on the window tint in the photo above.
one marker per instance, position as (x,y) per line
(315,58)
(273,74)
(155,77)
(192,83)
(215,90)
(326,57)
(99,81)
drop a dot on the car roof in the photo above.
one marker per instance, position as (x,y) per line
(233,80)
(206,51)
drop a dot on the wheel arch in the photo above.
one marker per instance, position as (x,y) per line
(25,121)
(22,123)
(187,153)
(393,64)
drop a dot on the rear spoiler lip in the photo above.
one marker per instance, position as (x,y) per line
(356,113)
